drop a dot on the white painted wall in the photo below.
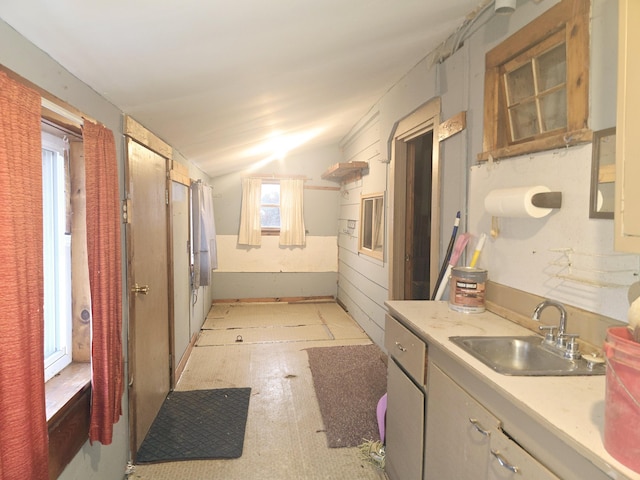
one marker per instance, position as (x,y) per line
(318,255)
(271,271)
(565,255)
(524,255)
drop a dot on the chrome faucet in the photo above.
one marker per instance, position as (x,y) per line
(562,326)
(570,348)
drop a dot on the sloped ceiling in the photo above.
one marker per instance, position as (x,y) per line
(232,83)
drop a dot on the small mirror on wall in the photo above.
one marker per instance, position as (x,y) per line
(371,239)
(603,174)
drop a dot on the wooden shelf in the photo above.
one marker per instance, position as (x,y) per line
(339,171)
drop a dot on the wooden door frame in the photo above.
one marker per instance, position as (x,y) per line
(424,119)
(139,134)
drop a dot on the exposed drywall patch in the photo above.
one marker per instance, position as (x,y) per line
(319,255)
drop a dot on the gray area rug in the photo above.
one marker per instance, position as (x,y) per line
(349,381)
(196,425)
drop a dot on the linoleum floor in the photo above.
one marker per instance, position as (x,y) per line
(284,437)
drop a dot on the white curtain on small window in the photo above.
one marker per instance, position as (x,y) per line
(250,230)
(205,256)
(291,212)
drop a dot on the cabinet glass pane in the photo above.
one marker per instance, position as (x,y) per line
(524,121)
(520,84)
(552,68)
(553,108)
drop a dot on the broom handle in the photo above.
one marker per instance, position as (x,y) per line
(447,256)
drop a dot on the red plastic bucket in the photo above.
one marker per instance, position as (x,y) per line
(622,397)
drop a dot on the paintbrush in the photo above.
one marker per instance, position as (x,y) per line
(476,253)
(461,242)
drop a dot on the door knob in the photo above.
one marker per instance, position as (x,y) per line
(143,289)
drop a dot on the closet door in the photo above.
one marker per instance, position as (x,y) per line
(147,253)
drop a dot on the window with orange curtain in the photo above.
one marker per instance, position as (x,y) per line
(24,446)
(23,427)
(104,256)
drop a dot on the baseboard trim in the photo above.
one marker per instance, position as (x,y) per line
(318,299)
(179,368)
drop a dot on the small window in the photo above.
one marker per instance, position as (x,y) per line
(56,255)
(536,91)
(537,85)
(270,207)
(372,225)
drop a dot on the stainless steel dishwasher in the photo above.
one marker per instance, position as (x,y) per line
(406,402)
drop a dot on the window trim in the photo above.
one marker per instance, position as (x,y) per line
(367,221)
(54,364)
(572,17)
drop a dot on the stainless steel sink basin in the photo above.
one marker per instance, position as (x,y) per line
(524,356)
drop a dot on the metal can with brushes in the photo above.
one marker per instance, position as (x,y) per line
(466,289)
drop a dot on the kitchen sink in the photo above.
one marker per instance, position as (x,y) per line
(526,355)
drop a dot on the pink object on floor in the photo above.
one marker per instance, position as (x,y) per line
(382,413)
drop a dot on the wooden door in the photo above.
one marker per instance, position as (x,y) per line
(147,255)
(181,262)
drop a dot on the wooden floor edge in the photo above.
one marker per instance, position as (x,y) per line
(318,299)
(183,361)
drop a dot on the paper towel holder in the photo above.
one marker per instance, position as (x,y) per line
(547,199)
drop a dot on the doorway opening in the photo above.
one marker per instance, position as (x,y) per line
(415,210)
(418,222)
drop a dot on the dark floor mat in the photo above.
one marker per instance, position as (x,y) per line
(349,381)
(196,425)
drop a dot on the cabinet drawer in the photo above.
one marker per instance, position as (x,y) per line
(408,350)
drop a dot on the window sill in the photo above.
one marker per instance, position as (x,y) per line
(68,399)
(64,387)
(544,144)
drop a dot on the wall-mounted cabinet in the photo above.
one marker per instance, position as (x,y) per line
(627,201)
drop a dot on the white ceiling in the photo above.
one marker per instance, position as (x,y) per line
(229,83)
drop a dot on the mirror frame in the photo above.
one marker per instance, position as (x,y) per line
(371,208)
(604,145)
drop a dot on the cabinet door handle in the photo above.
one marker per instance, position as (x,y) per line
(479,427)
(400,347)
(503,463)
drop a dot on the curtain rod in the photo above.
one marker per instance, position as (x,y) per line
(278,176)
(55,108)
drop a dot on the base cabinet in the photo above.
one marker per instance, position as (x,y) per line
(405,425)
(465,441)
(405,419)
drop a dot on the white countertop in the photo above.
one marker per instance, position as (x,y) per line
(576,415)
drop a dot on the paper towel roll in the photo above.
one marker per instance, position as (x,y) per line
(515,202)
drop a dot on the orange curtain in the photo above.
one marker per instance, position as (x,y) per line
(24,451)
(105,277)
